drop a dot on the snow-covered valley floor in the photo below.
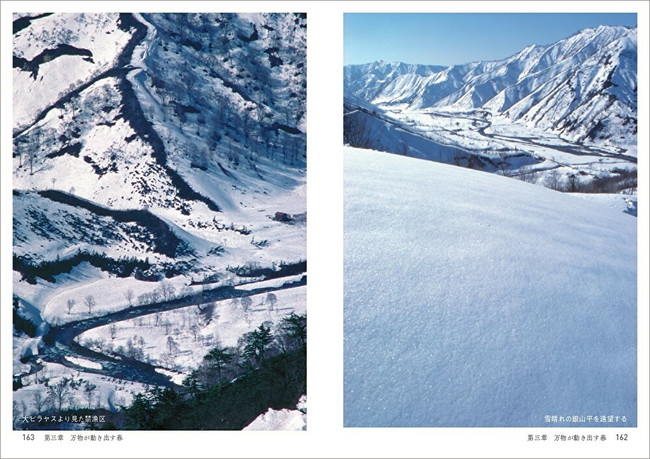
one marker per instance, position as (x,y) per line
(480,140)
(474,300)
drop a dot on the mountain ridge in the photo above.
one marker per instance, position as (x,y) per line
(582,87)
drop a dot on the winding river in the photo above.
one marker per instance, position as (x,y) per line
(60,341)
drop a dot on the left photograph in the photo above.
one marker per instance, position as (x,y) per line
(159,221)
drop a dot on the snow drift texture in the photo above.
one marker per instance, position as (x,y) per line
(475,300)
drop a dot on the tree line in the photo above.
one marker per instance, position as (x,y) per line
(46,270)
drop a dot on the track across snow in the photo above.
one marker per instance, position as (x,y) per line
(476,300)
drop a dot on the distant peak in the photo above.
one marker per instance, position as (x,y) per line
(602,29)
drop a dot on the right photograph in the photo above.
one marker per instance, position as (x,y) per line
(490,220)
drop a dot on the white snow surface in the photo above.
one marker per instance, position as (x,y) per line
(84,362)
(623,202)
(278,420)
(282,419)
(176,378)
(474,300)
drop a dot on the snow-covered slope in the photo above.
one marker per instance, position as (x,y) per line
(282,419)
(582,87)
(55,53)
(151,152)
(196,119)
(475,300)
(379,79)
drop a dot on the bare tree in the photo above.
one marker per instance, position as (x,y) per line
(143,299)
(573,183)
(39,401)
(129,296)
(194,329)
(113,330)
(503,168)
(154,296)
(70,304)
(355,130)
(88,392)
(58,393)
(554,180)
(526,174)
(90,303)
(171,345)
(32,155)
(167,290)
(271,299)
(458,158)
(246,303)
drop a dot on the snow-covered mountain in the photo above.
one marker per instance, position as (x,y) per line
(157,158)
(475,300)
(197,121)
(582,87)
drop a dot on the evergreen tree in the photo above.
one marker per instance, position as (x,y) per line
(218,359)
(295,327)
(257,343)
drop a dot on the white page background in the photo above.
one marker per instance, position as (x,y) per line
(326,436)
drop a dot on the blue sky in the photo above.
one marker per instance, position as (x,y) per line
(455,38)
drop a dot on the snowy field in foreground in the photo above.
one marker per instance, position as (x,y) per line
(476,300)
